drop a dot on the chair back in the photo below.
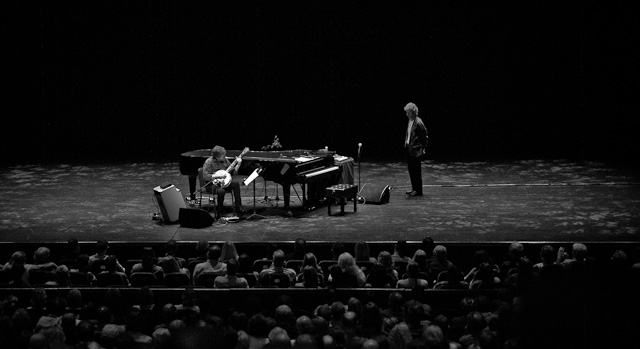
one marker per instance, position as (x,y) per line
(79,279)
(106,279)
(260,264)
(252,279)
(346,280)
(141,279)
(280,280)
(176,280)
(206,279)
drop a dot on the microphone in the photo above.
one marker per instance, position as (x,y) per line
(359,145)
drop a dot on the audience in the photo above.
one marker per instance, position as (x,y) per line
(278,267)
(212,265)
(540,314)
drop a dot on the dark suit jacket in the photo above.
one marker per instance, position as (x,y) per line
(418,139)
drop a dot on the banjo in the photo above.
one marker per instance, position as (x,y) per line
(222,178)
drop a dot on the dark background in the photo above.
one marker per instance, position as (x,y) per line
(120,81)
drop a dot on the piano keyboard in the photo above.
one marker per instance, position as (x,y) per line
(315,172)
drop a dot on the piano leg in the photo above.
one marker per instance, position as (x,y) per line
(192,185)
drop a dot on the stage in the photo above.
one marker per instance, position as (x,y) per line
(556,201)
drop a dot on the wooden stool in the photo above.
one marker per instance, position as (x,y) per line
(342,192)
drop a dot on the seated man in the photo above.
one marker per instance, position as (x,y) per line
(277,267)
(214,169)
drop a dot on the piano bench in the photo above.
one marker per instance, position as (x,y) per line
(342,192)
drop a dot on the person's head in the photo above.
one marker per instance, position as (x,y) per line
(38,297)
(300,245)
(420,257)
(440,253)
(41,255)
(411,110)
(337,310)
(189,297)
(279,338)
(395,300)
(73,246)
(102,246)
(74,298)
(214,253)
(579,251)
(310,275)
(305,341)
(148,257)
(361,251)
(232,267)
(547,254)
(202,247)
(229,251)
(278,258)
(257,326)
(62,276)
(309,259)
(218,153)
(145,296)
(412,269)
(385,259)
(516,250)
(346,261)
(18,258)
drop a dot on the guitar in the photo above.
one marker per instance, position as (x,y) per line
(222,178)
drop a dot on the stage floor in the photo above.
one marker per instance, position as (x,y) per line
(464,202)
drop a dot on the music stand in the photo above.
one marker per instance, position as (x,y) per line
(250,179)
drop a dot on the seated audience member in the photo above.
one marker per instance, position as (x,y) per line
(102,246)
(277,266)
(452,279)
(245,264)
(18,259)
(548,269)
(231,280)
(148,265)
(412,279)
(361,252)
(348,265)
(299,250)
(400,251)
(71,254)
(481,257)
(229,252)
(485,277)
(170,262)
(383,274)
(112,268)
(309,259)
(62,278)
(41,261)
(189,303)
(212,265)
(309,278)
(421,258)
(516,251)
(55,310)
(82,266)
(202,249)
(338,279)
(439,263)
(264,281)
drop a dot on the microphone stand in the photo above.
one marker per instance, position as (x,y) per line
(359,167)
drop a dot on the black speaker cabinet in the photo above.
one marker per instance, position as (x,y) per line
(195,218)
(375,194)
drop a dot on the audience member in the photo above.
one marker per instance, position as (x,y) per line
(212,265)
(299,250)
(230,280)
(439,263)
(278,267)
(229,252)
(309,260)
(383,274)
(348,265)
(362,253)
(412,279)
(337,249)
(516,251)
(102,246)
(400,251)
(170,262)
(148,265)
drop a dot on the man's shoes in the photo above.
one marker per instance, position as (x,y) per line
(240,211)
(409,192)
(415,193)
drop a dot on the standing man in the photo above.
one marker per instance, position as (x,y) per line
(415,143)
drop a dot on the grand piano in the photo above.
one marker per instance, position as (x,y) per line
(313,170)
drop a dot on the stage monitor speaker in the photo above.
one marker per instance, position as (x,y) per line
(375,194)
(195,218)
(170,201)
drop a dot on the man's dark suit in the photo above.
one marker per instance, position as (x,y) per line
(415,150)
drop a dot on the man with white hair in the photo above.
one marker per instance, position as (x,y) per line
(415,143)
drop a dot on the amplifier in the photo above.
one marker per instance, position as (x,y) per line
(170,201)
